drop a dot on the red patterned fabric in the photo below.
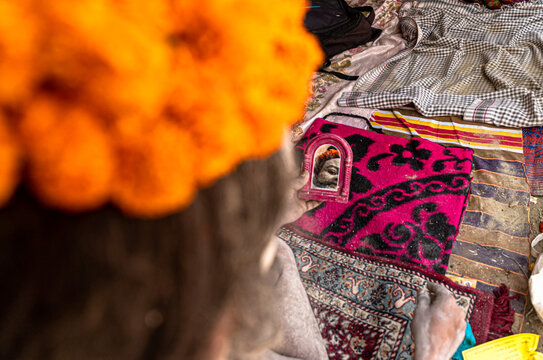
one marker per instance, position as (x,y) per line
(532,141)
(364,305)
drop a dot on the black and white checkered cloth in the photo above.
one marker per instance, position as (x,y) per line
(483,65)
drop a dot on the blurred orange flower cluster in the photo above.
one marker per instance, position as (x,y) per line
(142,102)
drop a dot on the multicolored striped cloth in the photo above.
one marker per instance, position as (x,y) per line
(533,158)
(492,246)
(451,131)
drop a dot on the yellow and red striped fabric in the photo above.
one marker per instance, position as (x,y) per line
(451,130)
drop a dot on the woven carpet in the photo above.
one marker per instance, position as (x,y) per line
(492,246)
(364,305)
(406,198)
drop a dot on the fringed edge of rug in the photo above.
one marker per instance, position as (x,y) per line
(503,315)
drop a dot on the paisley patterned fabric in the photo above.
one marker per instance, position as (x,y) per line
(532,139)
(364,305)
(406,198)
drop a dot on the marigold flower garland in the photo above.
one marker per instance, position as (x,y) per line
(102,98)
(329,154)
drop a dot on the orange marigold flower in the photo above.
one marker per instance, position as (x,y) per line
(107,95)
(253,71)
(70,164)
(155,168)
(9,162)
(329,154)
(17,50)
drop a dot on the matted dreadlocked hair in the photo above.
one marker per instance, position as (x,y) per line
(100,285)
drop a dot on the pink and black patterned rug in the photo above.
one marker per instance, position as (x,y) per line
(406,199)
(364,305)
